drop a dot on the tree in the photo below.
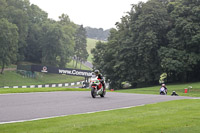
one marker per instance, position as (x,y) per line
(132,49)
(98,54)
(181,57)
(8,43)
(3,6)
(56,44)
(150,22)
(105,61)
(19,9)
(36,15)
(33,52)
(80,50)
(69,29)
(98,34)
(51,44)
(41,40)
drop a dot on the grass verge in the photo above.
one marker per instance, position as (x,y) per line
(179,88)
(28,90)
(180,116)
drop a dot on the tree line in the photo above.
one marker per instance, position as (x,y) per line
(156,37)
(98,34)
(27,34)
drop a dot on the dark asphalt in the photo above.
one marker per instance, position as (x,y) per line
(28,106)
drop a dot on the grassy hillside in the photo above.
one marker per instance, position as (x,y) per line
(91,43)
(11,78)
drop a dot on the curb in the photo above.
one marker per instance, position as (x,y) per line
(44,86)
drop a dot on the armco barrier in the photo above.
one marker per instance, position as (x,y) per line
(45,86)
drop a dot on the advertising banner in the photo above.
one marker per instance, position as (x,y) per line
(67,71)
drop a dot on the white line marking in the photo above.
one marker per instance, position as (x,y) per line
(1,123)
(196,98)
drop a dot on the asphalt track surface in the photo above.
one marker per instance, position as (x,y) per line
(33,106)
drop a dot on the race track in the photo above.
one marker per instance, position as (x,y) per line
(30,106)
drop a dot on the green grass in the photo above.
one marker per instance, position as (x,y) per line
(179,88)
(11,78)
(180,116)
(91,43)
(28,90)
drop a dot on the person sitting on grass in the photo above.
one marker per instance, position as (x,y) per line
(174,94)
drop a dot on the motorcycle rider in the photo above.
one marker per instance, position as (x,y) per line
(163,89)
(99,76)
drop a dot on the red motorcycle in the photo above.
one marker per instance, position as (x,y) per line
(96,87)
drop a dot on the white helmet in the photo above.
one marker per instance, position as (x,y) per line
(163,85)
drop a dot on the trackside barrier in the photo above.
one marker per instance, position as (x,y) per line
(45,86)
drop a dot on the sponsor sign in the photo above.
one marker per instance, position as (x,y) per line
(75,72)
(44,69)
(67,71)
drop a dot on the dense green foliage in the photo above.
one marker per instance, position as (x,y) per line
(159,36)
(80,51)
(181,56)
(8,43)
(98,34)
(37,38)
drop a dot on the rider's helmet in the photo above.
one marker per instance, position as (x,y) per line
(96,72)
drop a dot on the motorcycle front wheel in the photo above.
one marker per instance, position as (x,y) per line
(93,92)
